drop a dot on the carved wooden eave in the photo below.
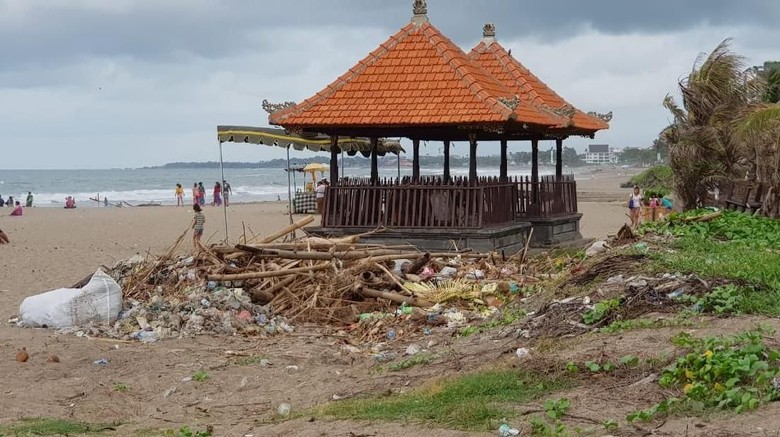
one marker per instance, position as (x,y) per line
(275,107)
(605,117)
(485,127)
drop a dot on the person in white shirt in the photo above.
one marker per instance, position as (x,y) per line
(635,207)
(320,194)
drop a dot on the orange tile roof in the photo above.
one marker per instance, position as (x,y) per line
(509,71)
(417,77)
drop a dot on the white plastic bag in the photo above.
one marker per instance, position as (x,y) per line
(99,301)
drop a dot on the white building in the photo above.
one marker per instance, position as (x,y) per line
(600,154)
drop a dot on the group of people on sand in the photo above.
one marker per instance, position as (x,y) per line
(17,211)
(199,194)
(16,205)
(635,202)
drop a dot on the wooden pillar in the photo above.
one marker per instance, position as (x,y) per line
(472,159)
(334,160)
(447,161)
(559,158)
(415,159)
(503,169)
(534,170)
(374,160)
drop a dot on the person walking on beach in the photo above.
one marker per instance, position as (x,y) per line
(217,199)
(10,201)
(635,207)
(226,192)
(2,202)
(179,195)
(197,226)
(29,199)
(201,194)
(195,193)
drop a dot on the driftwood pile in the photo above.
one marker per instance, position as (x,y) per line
(324,281)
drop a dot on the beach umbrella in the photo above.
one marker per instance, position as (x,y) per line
(314,168)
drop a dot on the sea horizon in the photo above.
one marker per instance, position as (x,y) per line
(50,187)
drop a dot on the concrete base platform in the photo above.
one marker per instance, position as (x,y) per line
(510,238)
(555,231)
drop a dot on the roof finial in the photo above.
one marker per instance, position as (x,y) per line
(489,34)
(420,9)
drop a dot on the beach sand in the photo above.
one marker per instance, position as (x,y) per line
(52,248)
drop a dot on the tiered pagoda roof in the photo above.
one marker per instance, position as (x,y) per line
(494,58)
(419,78)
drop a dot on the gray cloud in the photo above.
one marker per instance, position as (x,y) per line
(44,33)
(121,83)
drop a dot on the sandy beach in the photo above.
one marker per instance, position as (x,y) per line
(53,247)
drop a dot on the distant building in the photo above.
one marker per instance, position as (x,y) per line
(600,154)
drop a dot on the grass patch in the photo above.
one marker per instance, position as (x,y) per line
(725,260)
(200,376)
(471,402)
(619,326)
(41,426)
(411,362)
(734,246)
(507,317)
(250,361)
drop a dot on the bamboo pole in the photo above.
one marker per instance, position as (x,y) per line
(287,229)
(271,274)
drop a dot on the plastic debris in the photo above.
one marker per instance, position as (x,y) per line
(102,362)
(522,353)
(284,409)
(384,357)
(596,248)
(448,272)
(391,334)
(507,431)
(413,349)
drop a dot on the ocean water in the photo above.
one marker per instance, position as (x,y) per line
(136,186)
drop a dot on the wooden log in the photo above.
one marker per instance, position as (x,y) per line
(393,297)
(270,274)
(288,229)
(263,296)
(418,264)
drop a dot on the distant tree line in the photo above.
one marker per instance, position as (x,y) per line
(570,158)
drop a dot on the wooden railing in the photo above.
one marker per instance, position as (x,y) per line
(428,202)
(551,196)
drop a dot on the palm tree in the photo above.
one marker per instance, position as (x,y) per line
(761,126)
(704,150)
(772,93)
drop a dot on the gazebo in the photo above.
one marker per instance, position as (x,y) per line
(420,85)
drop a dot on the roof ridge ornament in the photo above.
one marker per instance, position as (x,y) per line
(488,34)
(275,107)
(420,10)
(605,117)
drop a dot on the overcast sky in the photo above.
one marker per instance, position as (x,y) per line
(123,83)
